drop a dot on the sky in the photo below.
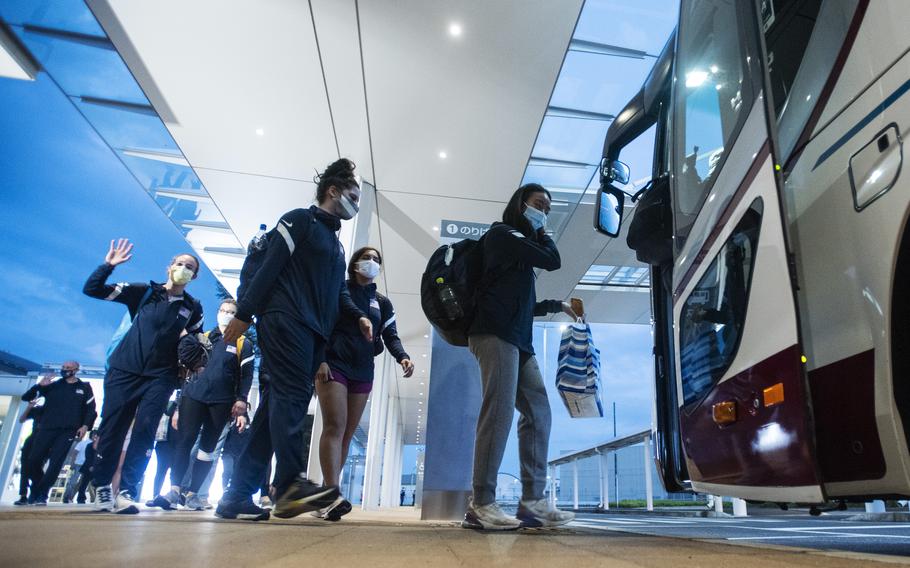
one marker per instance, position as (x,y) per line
(65,195)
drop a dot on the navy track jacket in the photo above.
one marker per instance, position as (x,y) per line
(149,349)
(226,376)
(302,274)
(507,304)
(66,405)
(352,355)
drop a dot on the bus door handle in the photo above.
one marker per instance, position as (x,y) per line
(874,169)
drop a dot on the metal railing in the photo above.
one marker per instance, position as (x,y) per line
(604,450)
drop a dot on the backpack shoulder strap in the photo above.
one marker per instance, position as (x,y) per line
(240,348)
(145,298)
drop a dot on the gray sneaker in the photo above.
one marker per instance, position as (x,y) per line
(540,513)
(168,501)
(194,502)
(488,517)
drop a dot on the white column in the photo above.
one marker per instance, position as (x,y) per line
(649,489)
(718,504)
(875,507)
(375,438)
(600,477)
(314,467)
(575,483)
(387,499)
(739,507)
(552,485)
(605,479)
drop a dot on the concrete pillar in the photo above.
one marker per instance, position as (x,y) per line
(649,489)
(575,484)
(739,507)
(718,504)
(600,478)
(375,438)
(605,479)
(452,410)
(875,507)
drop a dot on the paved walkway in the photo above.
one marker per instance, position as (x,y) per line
(67,536)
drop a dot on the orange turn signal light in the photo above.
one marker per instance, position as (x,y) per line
(724,412)
(774,394)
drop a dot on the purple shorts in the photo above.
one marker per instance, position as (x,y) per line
(354,387)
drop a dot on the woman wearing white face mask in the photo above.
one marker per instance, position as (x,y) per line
(215,393)
(344,380)
(500,339)
(142,369)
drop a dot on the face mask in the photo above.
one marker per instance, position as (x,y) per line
(224,319)
(181,275)
(367,268)
(350,208)
(67,373)
(536,217)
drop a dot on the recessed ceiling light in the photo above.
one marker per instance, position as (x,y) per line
(426,335)
(443,155)
(436,228)
(421,383)
(419,402)
(421,394)
(424,355)
(455,29)
(260,132)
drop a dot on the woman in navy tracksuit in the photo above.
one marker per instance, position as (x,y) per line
(298,293)
(142,370)
(214,394)
(344,380)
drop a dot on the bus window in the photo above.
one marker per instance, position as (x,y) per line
(788,25)
(712,96)
(712,318)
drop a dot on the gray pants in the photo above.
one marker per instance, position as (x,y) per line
(509,385)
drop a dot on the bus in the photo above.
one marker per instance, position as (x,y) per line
(775,227)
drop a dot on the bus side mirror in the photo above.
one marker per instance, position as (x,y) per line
(608,210)
(614,170)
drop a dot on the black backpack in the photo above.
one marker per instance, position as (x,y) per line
(460,267)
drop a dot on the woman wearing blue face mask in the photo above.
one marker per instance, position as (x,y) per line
(500,339)
(345,379)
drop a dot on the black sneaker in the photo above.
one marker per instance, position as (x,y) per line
(168,501)
(21,502)
(340,508)
(40,502)
(303,495)
(244,510)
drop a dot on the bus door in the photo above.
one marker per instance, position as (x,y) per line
(745,417)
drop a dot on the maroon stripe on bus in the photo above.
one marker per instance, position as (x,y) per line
(822,100)
(846,434)
(744,186)
(767,446)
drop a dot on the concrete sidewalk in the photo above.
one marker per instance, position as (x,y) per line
(67,536)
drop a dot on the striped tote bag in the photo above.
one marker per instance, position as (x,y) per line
(578,374)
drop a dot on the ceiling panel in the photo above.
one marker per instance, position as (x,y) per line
(228,69)
(248,200)
(479,97)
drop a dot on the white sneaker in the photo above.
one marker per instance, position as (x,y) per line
(541,514)
(124,504)
(103,499)
(488,517)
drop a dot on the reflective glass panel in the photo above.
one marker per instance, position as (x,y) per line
(644,26)
(127,128)
(66,15)
(559,176)
(571,139)
(84,69)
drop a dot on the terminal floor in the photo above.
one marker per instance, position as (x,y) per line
(69,536)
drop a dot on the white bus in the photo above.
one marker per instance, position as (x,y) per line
(775,225)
